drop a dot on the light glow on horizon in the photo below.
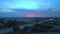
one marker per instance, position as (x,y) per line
(31,15)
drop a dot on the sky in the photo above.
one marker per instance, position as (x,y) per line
(29,8)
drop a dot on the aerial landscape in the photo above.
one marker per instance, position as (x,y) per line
(29,16)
